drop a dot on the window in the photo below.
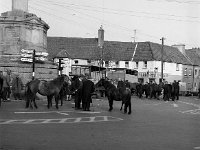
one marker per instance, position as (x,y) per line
(145,64)
(126,64)
(185,72)
(136,64)
(107,63)
(117,63)
(76,61)
(177,67)
(190,72)
(195,72)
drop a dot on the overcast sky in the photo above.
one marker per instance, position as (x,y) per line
(176,20)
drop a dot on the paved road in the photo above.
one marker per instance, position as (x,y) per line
(153,125)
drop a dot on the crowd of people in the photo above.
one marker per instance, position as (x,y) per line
(10,84)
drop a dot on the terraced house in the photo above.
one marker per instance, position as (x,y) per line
(144,57)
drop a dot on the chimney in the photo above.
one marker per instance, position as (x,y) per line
(181,47)
(20,5)
(101,37)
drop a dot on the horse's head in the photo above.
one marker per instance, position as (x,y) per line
(100,82)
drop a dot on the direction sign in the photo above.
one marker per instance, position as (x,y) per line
(26,55)
(40,58)
(27,51)
(41,54)
(27,59)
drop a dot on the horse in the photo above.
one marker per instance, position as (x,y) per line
(45,88)
(113,93)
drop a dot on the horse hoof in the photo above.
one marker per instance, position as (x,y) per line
(129,113)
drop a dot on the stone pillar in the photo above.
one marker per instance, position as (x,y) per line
(20,5)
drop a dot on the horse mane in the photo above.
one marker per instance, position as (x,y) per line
(108,84)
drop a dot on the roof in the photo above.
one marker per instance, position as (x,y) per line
(87,48)
(194,55)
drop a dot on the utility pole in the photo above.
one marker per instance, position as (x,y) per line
(162,58)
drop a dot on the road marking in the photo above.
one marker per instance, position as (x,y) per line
(61,120)
(40,112)
(190,104)
(197,147)
(193,111)
(62,113)
(175,105)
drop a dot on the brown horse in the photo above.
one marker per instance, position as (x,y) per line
(118,94)
(45,88)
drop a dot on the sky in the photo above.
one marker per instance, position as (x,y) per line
(178,21)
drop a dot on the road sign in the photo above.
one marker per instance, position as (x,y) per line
(40,58)
(41,54)
(26,55)
(27,51)
(27,59)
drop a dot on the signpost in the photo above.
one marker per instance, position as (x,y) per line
(31,56)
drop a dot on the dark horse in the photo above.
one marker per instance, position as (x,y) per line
(45,88)
(113,93)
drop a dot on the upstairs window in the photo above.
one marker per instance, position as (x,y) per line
(106,63)
(76,61)
(145,64)
(185,72)
(136,64)
(126,64)
(177,67)
(190,72)
(195,72)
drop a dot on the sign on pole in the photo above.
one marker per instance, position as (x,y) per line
(27,59)
(41,54)
(27,51)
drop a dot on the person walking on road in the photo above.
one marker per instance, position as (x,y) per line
(87,89)
(17,87)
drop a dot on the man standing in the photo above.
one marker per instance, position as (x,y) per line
(76,88)
(6,86)
(17,87)
(87,90)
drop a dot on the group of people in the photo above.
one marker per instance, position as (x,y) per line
(10,84)
(82,88)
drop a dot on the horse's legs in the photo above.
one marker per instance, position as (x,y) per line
(110,104)
(49,100)
(35,102)
(129,106)
(121,106)
(56,100)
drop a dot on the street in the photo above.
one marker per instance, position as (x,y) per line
(153,125)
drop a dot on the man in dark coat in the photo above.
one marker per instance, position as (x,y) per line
(87,90)
(17,86)
(76,88)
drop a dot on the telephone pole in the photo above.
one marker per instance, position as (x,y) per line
(162,58)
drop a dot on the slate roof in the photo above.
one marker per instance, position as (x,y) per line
(86,48)
(194,55)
